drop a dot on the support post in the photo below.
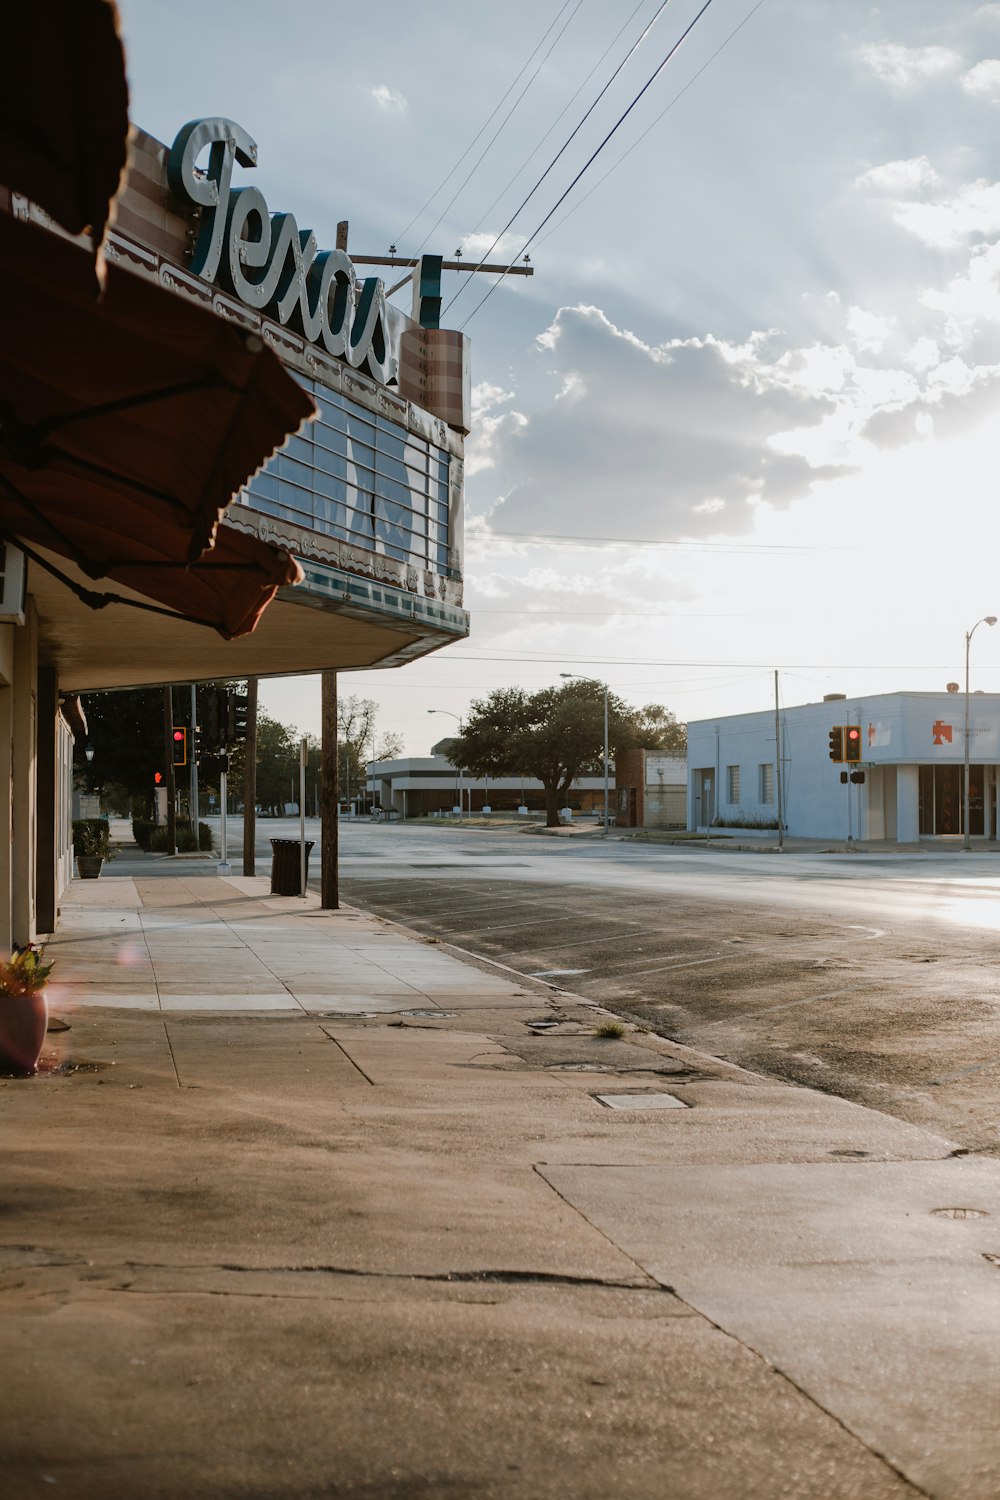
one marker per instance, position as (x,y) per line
(250,783)
(329,795)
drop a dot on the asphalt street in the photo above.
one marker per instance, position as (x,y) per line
(869,976)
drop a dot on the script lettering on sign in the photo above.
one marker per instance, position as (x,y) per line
(270,264)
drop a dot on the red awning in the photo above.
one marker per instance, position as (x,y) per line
(64,109)
(127,424)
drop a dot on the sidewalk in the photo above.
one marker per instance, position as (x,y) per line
(308,1206)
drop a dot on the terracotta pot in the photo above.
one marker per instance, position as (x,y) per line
(23,1020)
(88,866)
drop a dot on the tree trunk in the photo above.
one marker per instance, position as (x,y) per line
(551,805)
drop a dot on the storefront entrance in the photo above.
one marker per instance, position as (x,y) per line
(941,800)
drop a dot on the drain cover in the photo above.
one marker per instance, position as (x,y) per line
(431,1015)
(641,1101)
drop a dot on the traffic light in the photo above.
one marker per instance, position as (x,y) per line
(157,778)
(236,717)
(837,744)
(852,744)
(213,708)
(180,746)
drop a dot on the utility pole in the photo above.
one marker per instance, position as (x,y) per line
(777,765)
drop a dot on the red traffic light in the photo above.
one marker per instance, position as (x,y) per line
(852,744)
(157,778)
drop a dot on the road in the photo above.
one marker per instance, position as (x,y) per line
(871,976)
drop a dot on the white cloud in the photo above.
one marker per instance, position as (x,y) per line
(988,13)
(903,68)
(983,81)
(974,209)
(905,176)
(388,99)
(664,440)
(475,246)
(971,298)
(868,330)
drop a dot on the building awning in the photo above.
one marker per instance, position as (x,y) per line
(64,109)
(128,421)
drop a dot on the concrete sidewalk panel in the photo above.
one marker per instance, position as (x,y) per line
(293,1388)
(871,1285)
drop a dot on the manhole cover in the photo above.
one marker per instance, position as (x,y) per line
(960,1213)
(640,1101)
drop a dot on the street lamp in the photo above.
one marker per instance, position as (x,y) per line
(458,768)
(986,620)
(89,753)
(603,685)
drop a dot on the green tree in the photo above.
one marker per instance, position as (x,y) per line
(656,728)
(555,735)
(125,732)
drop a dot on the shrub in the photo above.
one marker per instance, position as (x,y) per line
(205,837)
(92,836)
(142,832)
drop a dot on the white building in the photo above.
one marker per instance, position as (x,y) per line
(909,782)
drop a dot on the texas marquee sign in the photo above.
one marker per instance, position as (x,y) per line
(270,264)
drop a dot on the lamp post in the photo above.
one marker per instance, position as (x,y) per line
(986,620)
(458,768)
(603,685)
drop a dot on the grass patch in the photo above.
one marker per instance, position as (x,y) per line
(611,1030)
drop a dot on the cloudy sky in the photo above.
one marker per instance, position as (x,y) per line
(744,416)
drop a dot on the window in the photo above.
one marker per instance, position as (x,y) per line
(732,785)
(766,790)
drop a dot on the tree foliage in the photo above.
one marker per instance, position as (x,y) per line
(556,735)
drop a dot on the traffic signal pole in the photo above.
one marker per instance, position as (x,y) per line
(168,756)
(193,747)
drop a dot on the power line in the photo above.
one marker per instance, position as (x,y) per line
(485,124)
(555,122)
(592,158)
(594,155)
(635,45)
(476,165)
(638,142)
(737,548)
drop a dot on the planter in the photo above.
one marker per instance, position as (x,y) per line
(23,1019)
(88,866)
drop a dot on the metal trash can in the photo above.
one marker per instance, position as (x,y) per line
(286,873)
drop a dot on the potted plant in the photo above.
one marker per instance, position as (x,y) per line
(91,845)
(24,1010)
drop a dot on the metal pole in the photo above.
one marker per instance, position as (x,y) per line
(194,764)
(986,620)
(303,759)
(850,827)
(224,866)
(605,760)
(777,765)
(966,844)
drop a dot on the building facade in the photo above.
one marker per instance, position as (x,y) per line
(650,790)
(907,785)
(157,527)
(421,786)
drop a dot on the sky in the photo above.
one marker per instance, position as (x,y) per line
(743,418)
